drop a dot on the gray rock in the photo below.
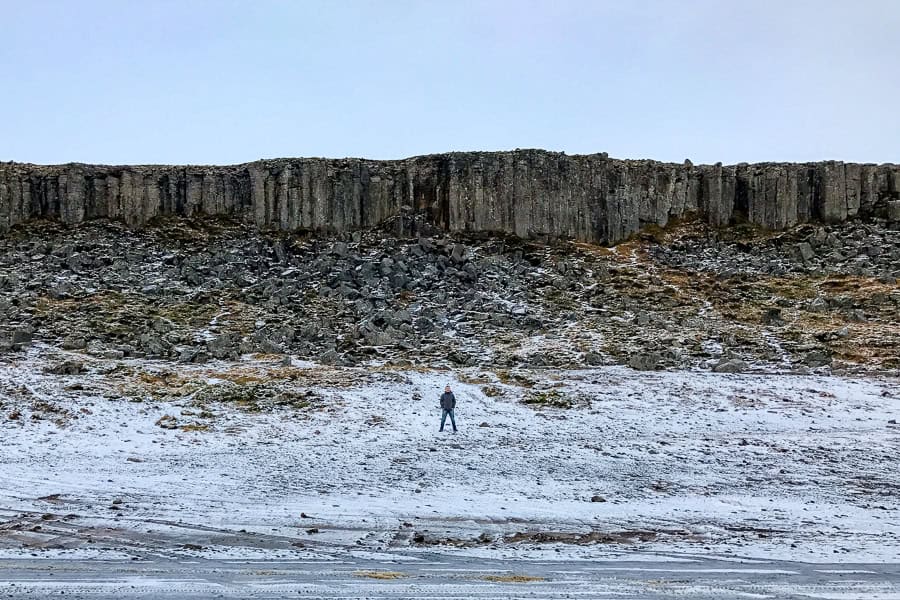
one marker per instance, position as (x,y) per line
(225,345)
(60,291)
(806,252)
(856,314)
(645,362)
(594,359)
(818,305)
(733,365)
(772,316)
(193,355)
(74,342)
(424,324)
(893,211)
(66,367)
(330,357)
(817,358)
(22,335)
(154,345)
(379,337)
(340,249)
(819,237)
(161,325)
(268,346)
(460,254)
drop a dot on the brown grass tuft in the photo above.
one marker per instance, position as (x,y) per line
(380,574)
(512,578)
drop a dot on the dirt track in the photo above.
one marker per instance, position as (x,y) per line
(441,576)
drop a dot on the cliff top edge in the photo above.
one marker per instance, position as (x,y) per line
(460,155)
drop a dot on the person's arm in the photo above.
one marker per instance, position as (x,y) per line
(453,397)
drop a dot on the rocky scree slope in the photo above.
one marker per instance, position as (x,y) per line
(821,297)
(591,198)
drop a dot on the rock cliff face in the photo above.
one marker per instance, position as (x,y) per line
(526,192)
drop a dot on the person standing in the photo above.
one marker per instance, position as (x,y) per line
(448,403)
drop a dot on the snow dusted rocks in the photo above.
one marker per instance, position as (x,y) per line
(689,296)
(16,337)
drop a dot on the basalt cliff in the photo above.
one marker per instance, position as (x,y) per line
(527,193)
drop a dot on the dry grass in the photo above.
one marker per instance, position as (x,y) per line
(380,574)
(167,383)
(474,379)
(245,378)
(512,378)
(414,368)
(194,427)
(512,578)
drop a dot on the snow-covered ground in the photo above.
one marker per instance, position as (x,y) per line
(678,464)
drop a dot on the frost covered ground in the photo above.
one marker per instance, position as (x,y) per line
(262,460)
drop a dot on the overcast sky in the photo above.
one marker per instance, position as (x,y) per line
(191,81)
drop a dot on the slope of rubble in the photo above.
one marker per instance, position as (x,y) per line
(815,297)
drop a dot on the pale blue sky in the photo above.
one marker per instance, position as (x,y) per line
(191,81)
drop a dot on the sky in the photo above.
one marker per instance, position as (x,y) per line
(226,81)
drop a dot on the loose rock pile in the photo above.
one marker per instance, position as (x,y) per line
(729,300)
(858,249)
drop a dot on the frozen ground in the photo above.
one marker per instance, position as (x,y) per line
(681,466)
(438,576)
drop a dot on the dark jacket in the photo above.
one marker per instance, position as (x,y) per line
(448,401)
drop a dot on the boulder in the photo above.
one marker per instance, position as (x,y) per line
(161,325)
(74,342)
(22,335)
(225,345)
(16,338)
(459,254)
(817,358)
(330,357)
(154,345)
(732,365)
(772,316)
(593,358)
(339,249)
(805,251)
(66,367)
(193,355)
(650,361)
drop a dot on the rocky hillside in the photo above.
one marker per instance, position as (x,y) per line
(527,193)
(821,297)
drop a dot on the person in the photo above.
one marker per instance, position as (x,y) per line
(448,403)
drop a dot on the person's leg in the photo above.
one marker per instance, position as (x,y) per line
(443,418)
(453,419)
